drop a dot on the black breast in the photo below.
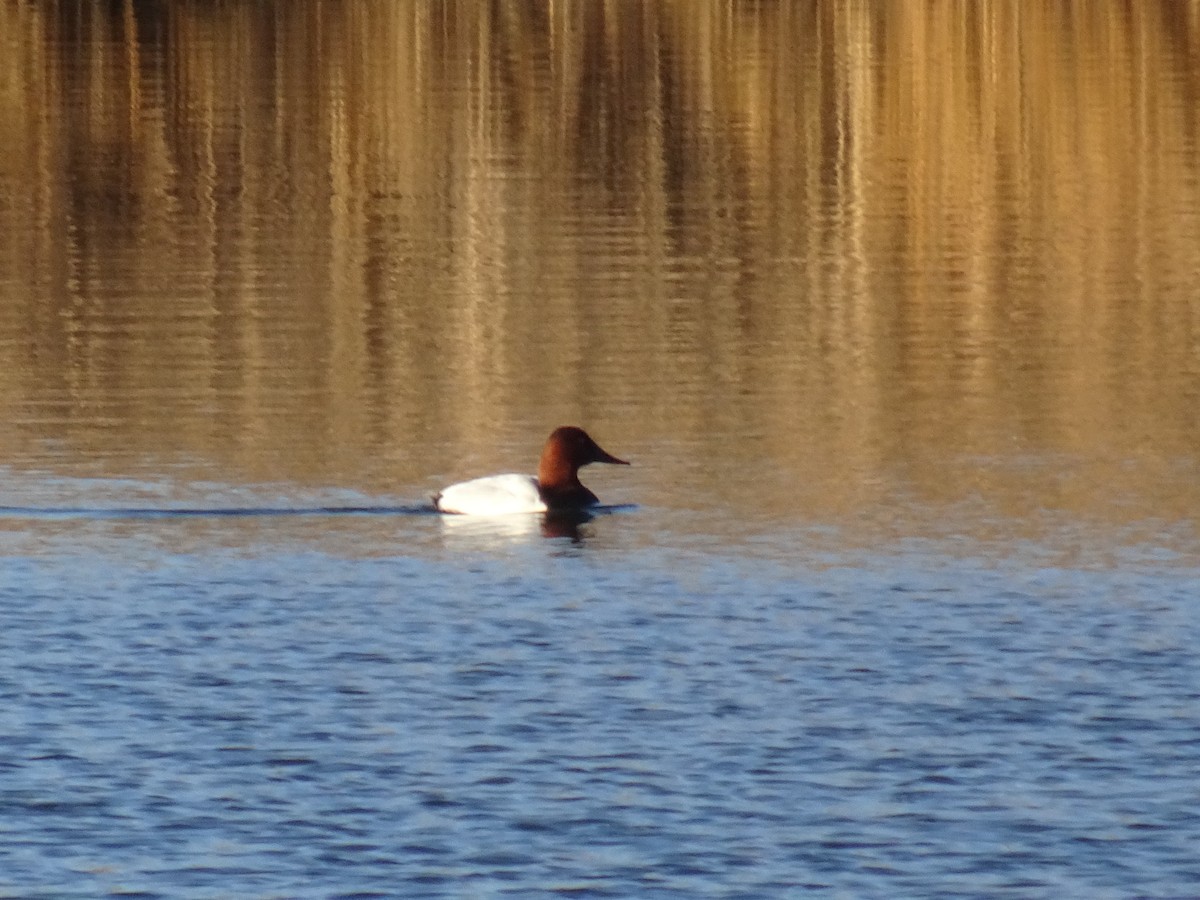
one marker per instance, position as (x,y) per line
(575,496)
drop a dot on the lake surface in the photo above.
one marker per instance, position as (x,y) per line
(895,312)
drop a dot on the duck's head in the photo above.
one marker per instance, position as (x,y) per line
(567,449)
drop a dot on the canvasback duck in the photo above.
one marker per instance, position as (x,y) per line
(556,487)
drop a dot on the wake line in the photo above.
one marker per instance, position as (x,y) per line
(150,512)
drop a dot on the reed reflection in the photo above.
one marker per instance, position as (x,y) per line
(293,237)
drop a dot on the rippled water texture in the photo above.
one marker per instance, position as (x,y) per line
(895,311)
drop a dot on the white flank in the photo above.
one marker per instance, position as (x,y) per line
(496,495)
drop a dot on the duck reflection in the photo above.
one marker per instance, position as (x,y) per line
(565,524)
(512,528)
(570,525)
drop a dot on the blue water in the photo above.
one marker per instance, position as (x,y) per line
(399,705)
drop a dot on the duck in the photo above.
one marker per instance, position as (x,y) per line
(555,488)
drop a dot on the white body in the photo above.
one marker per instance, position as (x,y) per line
(495,495)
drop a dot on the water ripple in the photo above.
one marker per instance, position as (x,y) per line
(307,725)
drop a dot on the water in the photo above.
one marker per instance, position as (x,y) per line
(894,314)
(314,706)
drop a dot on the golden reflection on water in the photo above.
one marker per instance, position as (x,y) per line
(838,246)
